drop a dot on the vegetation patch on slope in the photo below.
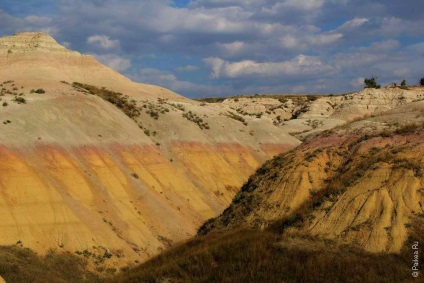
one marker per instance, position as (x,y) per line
(264,256)
(23,265)
(129,107)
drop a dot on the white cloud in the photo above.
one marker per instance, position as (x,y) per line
(290,41)
(393,26)
(402,72)
(170,81)
(36,20)
(115,62)
(306,5)
(305,41)
(324,39)
(226,3)
(233,47)
(303,10)
(216,64)
(66,44)
(354,23)
(385,45)
(358,82)
(103,41)
(252,45)
(188,68)
(51,30)
(298,66)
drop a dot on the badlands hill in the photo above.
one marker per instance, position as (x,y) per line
(115,171)
(304,115)
(345,206)
(360,184)
(93,163)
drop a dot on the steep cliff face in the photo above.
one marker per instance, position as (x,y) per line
(360,184)
(81,174)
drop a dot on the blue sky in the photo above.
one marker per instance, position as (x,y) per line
(204,48)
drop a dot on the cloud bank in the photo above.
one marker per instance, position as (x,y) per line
(223,47)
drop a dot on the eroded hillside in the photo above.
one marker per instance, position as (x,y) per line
(107,168)
(304,115)
(361,183)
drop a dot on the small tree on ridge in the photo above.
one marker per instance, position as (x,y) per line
(371,83)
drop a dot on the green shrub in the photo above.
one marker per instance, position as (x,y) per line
(371,83)
(193,117)
(407,129)
(116,98)
(23,265)
(236,117)
(19,100)
(40,90)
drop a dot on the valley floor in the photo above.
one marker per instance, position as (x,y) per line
(266,256)
(228,256)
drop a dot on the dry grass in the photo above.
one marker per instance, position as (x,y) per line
(23,265)
(116,98)
(262,256)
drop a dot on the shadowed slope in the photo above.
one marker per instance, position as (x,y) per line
(361,184)
(265,256)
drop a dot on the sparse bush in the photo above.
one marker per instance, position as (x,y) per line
(236,117)
(19,100)
(407,129)
(153,114)
(371,83)
(23,265)
(193,117)
(179,107)
(40,90)
(211,99)
(116,98)
(422,81)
